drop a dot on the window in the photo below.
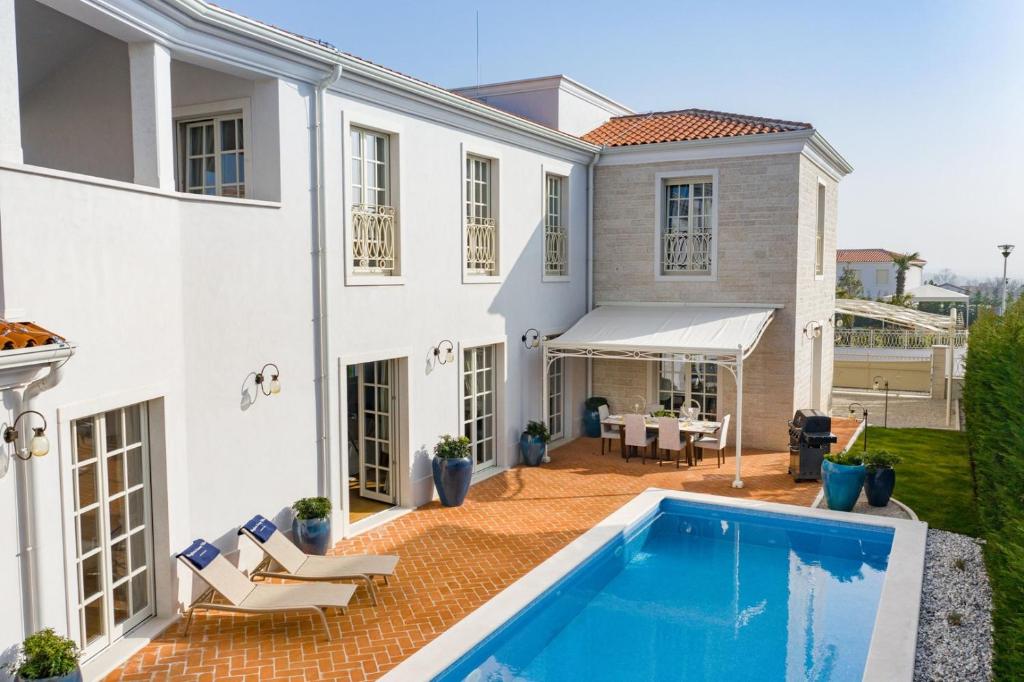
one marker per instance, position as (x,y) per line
(213,156)
(556,398)
(819,233)
(374,237)
(882,276)
(556,241)
(478,409)
(481,227)
(687,229)
(681,382)
(113,543)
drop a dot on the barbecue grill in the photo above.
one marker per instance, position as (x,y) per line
(810,437)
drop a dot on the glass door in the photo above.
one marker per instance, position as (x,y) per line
(376,425)
(113,538)
(478,404)
(556,398)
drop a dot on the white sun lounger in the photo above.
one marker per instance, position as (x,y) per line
(244,596)
(298,565)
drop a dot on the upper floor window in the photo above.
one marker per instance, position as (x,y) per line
(687,227)
(881,276)
(213,156)
(374,237)
(556,237)
(819,233)
(481,226)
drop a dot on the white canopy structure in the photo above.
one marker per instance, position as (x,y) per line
(719,334)
(929,293)
(895,314)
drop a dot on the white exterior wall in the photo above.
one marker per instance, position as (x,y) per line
(866,272)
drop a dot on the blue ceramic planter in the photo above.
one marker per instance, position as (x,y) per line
(313,536)
(73,676)
(591,423)
(451,478)
(532,449)
(842,484)
(878,486)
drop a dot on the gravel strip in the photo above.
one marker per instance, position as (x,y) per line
(954,637)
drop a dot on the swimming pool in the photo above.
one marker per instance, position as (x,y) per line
(681,586)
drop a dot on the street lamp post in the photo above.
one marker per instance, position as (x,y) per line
(879,381)
(1006,250)
(852,412)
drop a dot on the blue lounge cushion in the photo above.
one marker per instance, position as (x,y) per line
(260,527)
(200,553)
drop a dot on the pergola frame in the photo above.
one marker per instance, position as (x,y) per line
(731,360)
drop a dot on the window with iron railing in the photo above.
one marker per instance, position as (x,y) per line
(374,225)
(687,231)
(556,238)
(481,226)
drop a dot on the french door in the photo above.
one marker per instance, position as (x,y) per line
(478,404)
(556,398)
(113,533)
(376,430)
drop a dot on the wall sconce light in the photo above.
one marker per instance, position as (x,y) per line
(37,447)
(853,411)
(444,352)
(275,382)
(812,329)
(531,339)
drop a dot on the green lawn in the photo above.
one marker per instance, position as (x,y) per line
(934,478)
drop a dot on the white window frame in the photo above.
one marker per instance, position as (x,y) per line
(232,108)
(821,205)
(564,222)
(661,180)
(503,456)
(491,155)
(464,371)
(687,370)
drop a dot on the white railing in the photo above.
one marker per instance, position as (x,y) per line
(481,246)
(556,256)
(373,239)
(686,252)
(896,338)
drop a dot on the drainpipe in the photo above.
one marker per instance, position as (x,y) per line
(321,309)
(590,258)
(30,489)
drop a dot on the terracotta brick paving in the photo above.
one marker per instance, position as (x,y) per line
(452,561)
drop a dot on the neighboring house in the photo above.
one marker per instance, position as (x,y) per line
(190,199)
(876,270)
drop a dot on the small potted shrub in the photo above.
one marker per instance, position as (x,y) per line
(46,655)
(842,477)
(533,444)
(311,527)
(453,469)
(881,476)
(664,413)
(591,417)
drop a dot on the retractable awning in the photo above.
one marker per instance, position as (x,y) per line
(649,331)
(896,314)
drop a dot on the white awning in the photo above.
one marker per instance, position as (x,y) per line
(932,293)
(646,330)
(886,312)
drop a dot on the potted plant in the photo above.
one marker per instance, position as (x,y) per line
(664,413)
(881,476)
(311,527)
(453,469)
(591,417)
(45,655)
(533,444)
(842,476)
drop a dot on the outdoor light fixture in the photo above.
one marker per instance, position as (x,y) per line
(37,447)
(444,352)
(812,329)
(275,383)
(531,339)
(1006,250)
(878,382)
(865,413)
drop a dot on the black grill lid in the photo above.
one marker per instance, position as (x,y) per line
(812,421)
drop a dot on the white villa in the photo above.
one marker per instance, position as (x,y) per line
(876,270)
(261,269)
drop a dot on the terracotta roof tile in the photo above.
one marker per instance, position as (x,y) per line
(868,256)
(687,124)
(14,335)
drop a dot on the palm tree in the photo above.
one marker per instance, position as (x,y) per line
(903,264)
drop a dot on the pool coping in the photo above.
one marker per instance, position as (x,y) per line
(893,640)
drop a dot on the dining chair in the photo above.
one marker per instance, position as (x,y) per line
(636,436)
(716,442)
(608,432)
(670,438)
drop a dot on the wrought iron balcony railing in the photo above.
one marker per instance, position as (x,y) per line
(686,252)
(373,239)
(556,251)
(481,246)
(857,337)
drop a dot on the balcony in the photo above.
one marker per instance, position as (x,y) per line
(905,339)
(556,251)
(685,253)
(373,239)
(481,246)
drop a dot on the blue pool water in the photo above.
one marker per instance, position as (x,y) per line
(701,592)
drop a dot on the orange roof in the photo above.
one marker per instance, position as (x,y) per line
(25,335)
(688,124)
(869,256)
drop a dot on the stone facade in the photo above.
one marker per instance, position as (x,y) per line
(767,216)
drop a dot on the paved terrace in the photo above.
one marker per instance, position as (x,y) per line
(452,561)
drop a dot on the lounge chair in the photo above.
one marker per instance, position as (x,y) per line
(244,596)
(297,565)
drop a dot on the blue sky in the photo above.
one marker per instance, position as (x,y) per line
(925,99)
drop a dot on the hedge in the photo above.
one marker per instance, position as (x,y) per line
(994,410)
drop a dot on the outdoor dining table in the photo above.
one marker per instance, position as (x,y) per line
(697,427)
